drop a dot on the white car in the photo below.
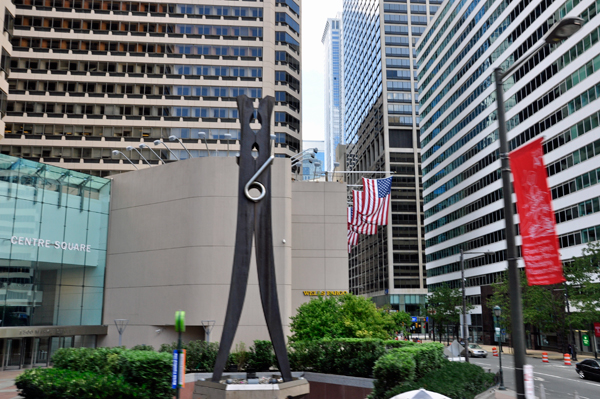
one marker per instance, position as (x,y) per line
(475,351)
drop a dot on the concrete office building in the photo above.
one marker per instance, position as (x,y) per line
(7,16)
(88,77)
(554,96)
(334,131)
(79,251)
(380,126)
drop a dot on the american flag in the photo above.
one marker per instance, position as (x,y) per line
(373,203)
(352,239)
(360,226)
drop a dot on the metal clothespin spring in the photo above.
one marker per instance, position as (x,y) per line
(252,183)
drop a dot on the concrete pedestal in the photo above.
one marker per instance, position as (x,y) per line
(297,389)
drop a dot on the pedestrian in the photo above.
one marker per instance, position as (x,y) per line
(573,352)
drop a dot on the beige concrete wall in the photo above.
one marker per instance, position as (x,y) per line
(319,250)
(171,244)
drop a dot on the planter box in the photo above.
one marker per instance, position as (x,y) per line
(297,389)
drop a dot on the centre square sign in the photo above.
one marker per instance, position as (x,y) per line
(38,242)
(324,293)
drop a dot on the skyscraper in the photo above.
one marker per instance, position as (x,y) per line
(380,126)
(332,40)
(7,19)
(552,95)
(89,77)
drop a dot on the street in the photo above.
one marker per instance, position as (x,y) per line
(559,381)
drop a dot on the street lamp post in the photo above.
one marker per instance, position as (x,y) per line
(560,31)
(497,313)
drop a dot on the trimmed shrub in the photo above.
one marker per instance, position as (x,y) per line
(200,355)
(391,344)
(262,356)
(149,369)
(143,347)
(455,380)
(68,384)
(95,360)
(428,357)
(391,369)
(344,356)
(139,368)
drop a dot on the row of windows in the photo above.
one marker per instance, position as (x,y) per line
(462,194)
(401,86)
(401,97)
(286,38)
(489,218)
(400,109)
(434,26)
(579,129)
(57,110)
(579,183)
(36,87)
(286,119)
(286,19)
(558,90)
(476,281)
(403,30)
(119,7)
(399,74)
(400,120)
(286,59)
(580,237)
(291,4)
(465,48)
(285,78)
(287,99)
(120,27)
(580,155)
(479,260)
(399,63)
(451,35)
(112,131)
(479,165)
(579,210)
(465,210)
(575,51)
(478,242)
(44,45)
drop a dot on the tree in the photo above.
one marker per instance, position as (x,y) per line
(445,307)
(544,306)
(346,316)
(582,288)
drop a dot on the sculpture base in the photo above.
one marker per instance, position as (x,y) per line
(296,389)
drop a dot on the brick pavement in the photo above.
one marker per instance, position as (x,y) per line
(7,384)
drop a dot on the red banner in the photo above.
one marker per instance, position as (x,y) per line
(597,329)
(536,218)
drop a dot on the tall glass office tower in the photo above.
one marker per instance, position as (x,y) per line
(554,95)
(380,127)
(89,77)
(332,40)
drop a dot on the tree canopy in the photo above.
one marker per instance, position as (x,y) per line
(346,316)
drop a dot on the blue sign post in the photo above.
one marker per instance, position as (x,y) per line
(414,319)
(175,374)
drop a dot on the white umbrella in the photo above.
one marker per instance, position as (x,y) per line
(420,394)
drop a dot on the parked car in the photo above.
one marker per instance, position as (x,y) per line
(589,368)
(475,351)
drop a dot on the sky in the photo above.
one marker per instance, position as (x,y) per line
(314,17)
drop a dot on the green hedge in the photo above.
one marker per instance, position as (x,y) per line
(392,368)
(139,368)
(344,356)
(406,364)
(200,355)
(455,380)
(68,384)
(262,356)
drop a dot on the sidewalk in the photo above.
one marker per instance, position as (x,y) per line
(537,354)
(7,384)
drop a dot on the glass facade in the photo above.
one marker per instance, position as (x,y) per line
(53,234)
(332,39)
